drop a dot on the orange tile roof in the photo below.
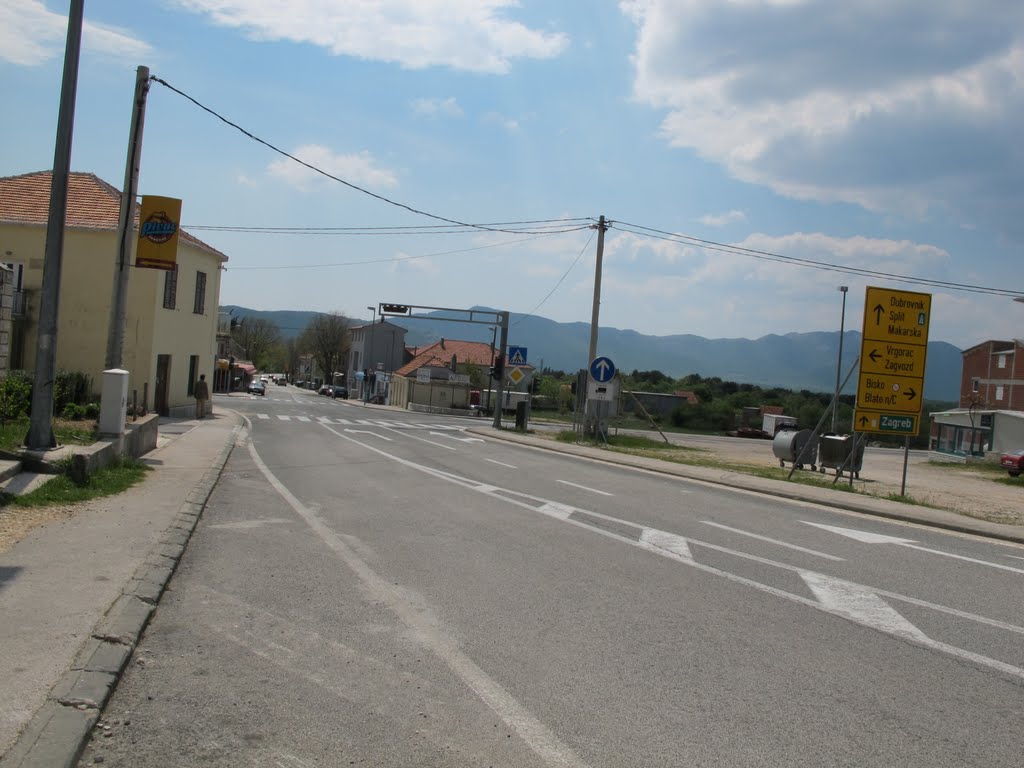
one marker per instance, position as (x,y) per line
(439,355)
(92,203)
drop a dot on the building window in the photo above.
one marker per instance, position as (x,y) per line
(999,392)
(975,384)
(171,288)
(1001,361)
(193,366)
(200,305)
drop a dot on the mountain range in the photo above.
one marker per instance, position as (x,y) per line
(797,361)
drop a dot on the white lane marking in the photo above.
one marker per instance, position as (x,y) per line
(1015,557)
(460,439)
(864,536)
(563,512)
(667,541)
(585,488)
(429,632)
(342,421)
(786,544)
(242,525)
(304,418)
(501,463)
(416,437)
(323,419)
(861,605)
(284,418)
(262,415)
(878,538)
(368,432)
(365,422)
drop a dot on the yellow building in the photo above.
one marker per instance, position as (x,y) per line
(170,334)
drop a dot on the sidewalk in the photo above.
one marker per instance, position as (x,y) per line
(75,594)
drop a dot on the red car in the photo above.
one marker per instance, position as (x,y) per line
(1013,462)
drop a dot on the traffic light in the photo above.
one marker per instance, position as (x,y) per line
(498,371)
(394,309)
(535,385)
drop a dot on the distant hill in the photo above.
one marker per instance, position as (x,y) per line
(793,361)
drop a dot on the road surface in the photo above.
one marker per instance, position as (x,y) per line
(380,588)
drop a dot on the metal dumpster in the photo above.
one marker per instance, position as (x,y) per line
(795,445)
(834,453)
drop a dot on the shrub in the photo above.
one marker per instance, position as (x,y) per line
(70,387)
(15,395)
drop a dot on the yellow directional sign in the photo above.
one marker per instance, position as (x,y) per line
(893,357)
(516,375)
(889,393)
(885,423)
(897,316)
(894,350)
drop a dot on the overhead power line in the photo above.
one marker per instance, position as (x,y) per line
(331,176)
(393,258)
(738,250)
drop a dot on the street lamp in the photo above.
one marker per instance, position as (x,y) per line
(369,357)
(839,364)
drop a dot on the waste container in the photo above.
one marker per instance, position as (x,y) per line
(797,446)
(834,453)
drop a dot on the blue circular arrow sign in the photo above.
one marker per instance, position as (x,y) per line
(602,370)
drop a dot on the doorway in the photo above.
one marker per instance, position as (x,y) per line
(161,395)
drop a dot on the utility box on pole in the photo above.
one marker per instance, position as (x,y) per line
(113,402)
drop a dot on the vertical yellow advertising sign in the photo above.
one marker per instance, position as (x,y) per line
(158,232)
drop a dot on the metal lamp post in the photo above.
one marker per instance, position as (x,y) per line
(839,364)
(370,365)
(494,339)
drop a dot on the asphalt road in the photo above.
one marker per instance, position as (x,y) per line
(370,587)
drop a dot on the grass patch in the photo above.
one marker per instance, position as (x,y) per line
(109,481)
(625,443)
(974,467)
(12,434)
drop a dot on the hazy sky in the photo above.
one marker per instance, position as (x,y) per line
(877,135)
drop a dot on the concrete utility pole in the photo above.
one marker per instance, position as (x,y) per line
(40,431)
(126,220)
(499,386)
(601,227)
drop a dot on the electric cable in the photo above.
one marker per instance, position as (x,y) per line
(322,172)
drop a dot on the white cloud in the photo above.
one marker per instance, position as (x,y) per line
(31,35)
(470,35)
(359,168)
(907,106)
(437,107)
(722,219)
(496,118)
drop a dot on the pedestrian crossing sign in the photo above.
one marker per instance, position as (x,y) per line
(516,355)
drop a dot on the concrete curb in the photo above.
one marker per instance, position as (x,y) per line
(866,505)
(57,734)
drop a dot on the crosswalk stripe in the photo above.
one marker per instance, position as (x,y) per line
(284,418)
(304,418)
(323,419)
(262,416)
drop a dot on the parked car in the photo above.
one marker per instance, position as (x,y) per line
(339,392)
(257,388)
(1013,462)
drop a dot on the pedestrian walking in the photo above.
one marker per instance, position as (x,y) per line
(202,395)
